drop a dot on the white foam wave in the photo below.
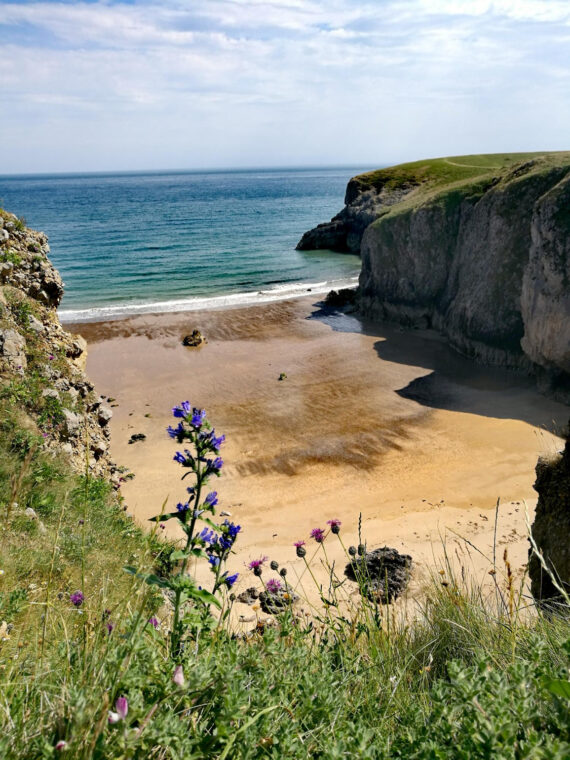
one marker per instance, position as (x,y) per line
(227,301)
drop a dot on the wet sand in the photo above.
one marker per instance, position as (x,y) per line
(370,420)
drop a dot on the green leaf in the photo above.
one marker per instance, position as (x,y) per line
(179,554)
(154,580)
(201,595)
(209,523)
(556,686)
(164,517)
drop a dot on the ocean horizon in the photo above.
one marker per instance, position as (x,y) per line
(128,243)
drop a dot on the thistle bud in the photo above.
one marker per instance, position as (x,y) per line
(361,550)
(283,572)
(352,551)
(274,565)
(301,551)
(257,571)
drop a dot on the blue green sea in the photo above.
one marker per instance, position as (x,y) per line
(141,242)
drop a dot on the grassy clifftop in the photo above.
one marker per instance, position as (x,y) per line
(451,172)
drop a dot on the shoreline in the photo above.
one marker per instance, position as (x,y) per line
(371,420)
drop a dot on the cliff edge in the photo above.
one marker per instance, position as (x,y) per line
(41,365)
(476,247)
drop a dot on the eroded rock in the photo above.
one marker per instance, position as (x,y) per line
(381,574)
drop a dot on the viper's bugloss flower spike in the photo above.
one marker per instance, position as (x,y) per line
(178,676)
(211,499)
(335,526)
(179,457)
(177,432)
(77,598)
(183,409)
(318,534)
(198,417)
(229,580)
(213,560)
(273,585)
(122,707)
(183,507)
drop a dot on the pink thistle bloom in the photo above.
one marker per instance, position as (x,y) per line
(255,564)
(318,534)
(335,525)
(178,677)
(122,707)
(273,585)
(297,544)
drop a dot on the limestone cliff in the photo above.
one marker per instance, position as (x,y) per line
(474,246)
(41,365)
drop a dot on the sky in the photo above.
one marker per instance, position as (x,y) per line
(107,85)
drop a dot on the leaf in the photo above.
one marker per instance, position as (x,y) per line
(154,580)
(164,517)
(556,686)
(201,595)
(209,523)
(179,554)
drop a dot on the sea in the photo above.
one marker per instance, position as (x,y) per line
(131,243)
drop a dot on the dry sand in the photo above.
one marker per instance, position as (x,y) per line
(371,420)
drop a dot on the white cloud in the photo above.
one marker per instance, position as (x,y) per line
(339,80)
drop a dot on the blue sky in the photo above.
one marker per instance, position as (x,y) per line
(149,84)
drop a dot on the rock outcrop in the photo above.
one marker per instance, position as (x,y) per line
(41,364)
(475,247)
(551,528)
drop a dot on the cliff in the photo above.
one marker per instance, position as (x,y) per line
(473,246)
(41,365)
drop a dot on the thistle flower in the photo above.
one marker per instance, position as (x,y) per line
(300,548)
(335,526)
(274,565)
(318,534)
(178,677)
(77,598)
(273,585)
(154,622)
(183,410)
(256,565)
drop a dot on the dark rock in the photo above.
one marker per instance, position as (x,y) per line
(551,528)
(137,437)
(274,603)
(249,596)
(340,298)
(104,414)
(195,339)
(382,574)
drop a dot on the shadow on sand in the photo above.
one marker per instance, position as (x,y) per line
(452,381)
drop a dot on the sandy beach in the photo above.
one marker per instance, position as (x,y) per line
(371,419)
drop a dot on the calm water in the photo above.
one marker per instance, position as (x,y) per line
(136,242)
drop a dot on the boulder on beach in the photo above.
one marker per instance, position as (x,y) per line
(195,338)
(382,574)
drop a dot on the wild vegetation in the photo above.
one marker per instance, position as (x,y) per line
(97,662)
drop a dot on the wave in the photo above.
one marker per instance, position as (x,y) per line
(223,301)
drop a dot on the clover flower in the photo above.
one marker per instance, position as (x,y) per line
(77,598)
(273,585)
(121,711)
(183,410)
(178,676)
(335,526)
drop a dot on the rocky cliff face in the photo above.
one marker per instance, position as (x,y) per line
(478,253)
(41,365)
(551,527)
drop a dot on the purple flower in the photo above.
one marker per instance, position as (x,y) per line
(176,432)
(335,525)
(182,507)
(207,536)
(77,598)
(216,441)
(256,565)
(229,580)
(198,417)
(122,707)
(297,544)
(51,357)
(179,457)
(213,466)
(184,409)
(154,622)
(109,626)
(318,534)
(213,560)
(273,585)
(211,499)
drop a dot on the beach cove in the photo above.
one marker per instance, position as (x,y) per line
(370,419)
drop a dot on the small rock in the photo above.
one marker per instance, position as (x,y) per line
(195,339)
(137,437)
(249,596)
(104,414)
(99,447)
(12,347)
(31,513)
(4,236)
(71,424)
(36,325)
(67,448)
(50,393)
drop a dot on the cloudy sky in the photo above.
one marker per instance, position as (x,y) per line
(150,84)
